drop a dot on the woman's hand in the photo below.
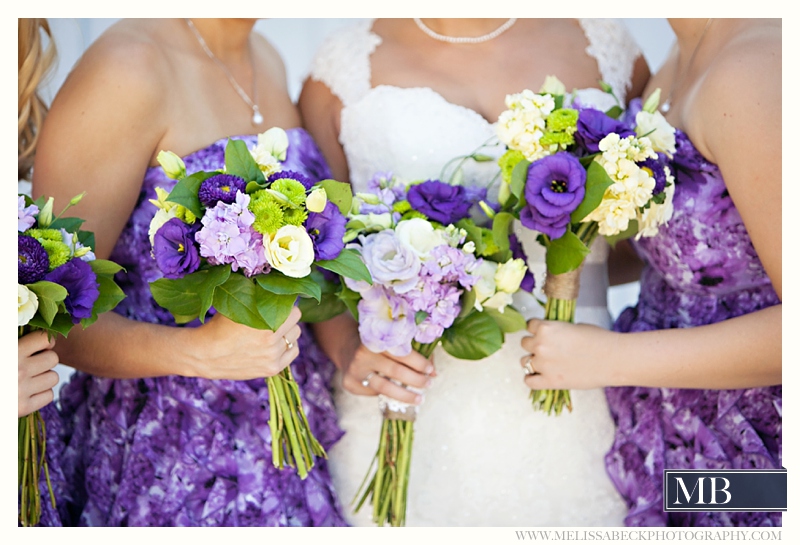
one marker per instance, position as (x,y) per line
(369,374)
(227,350)
(36,378)
(567,356)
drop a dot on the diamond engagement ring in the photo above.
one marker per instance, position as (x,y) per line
(365,382)
(289,344)
(528,367)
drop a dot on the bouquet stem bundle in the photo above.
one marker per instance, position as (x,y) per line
(388,487)
(562,296)
(292,440)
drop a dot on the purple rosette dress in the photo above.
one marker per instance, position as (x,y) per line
(179,451)
(700,269)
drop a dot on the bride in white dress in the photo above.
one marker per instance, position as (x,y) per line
(392,95)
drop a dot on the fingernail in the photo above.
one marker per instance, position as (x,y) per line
(429,370)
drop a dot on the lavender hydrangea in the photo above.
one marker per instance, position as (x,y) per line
(326,230)
(32,260)
(220,188)
(440,201)
(554,189)
(80,281)
(227,236)
(175,250)
(385,324)
(26,215)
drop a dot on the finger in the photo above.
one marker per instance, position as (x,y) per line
(39,363)
(384,386)
(529,343)
(35,342)
(291,321)
(533,325)
(288,357)
(527,363)
(40,383)
(538,382)
(415,361)
(35,402)
(404,374)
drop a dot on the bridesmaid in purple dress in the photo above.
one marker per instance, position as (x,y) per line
(169,425)
(696,379)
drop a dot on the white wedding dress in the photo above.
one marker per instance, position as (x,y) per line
(482,456)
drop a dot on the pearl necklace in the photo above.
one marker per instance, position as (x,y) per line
(257,118)
(466,39)
(668,103)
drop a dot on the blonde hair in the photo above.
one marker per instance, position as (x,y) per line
(34,62)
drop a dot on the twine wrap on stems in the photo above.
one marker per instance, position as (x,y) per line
(563,286)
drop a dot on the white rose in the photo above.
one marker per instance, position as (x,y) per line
(316,200)
(499,301)
(594,98)
(509,275)
(419,236)
(162,216)
(374,222)
(486,287)
(553,86)
(27,304)
(291,251)
(273,142)
(657,129)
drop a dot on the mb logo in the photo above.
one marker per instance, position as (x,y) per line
(725,490)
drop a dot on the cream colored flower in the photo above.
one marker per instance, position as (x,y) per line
(509,275)
(486,286)
(161,217)
(553,86)
(27,305)
(316,200)
(660,133)
(290,251)
(173,166)
(419,236)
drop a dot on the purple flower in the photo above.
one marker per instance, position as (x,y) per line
(518,252)
(291,175)
(555,188)
(25,215)
(80,281)
(175,250)
(33,260)
(439,201)
(220,188)
(326,230)
(390,263)
(385,322)
(594,125)
(656,166)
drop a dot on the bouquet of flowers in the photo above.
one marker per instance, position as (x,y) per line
(60,284)
(575,169)
(437,278)
(243,239)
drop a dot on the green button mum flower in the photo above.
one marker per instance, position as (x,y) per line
(562,120)
(268,213)
(291,189)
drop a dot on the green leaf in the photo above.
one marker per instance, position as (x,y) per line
(239,162)
(49,295)
(339,193)
(62,323)
(70,225)
(482,157)
(519,177)
(328,307)
(103,267)
(614,112)
(420,316)
(501,228)
(237,300)
(597,181)
(565,254)
(474,234)
(274,308)
(467,302)
(86,238)
(110,296)
(185,192)
(473,337)
(558,102)
(510,320)
(350,299)
(189,297)
(348,264)
(633,228)
(280,284)
(252,187)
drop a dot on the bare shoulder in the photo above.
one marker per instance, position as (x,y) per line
(270,59)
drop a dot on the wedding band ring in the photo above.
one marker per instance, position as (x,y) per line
(289,344)
(528,367)
(365,382)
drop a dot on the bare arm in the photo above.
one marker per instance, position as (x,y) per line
(737,353)
(320,110)
(100,136)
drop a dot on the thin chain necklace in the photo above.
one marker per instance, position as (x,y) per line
(257,117)
(465,39)
(668,103)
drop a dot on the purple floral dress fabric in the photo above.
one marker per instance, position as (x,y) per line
(178,451)
(701,269)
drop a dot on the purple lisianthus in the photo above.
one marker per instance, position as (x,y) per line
(175,250)
(390,263)
(440,201)
(326,230)
(555,187)
(656,166)
(518,252)
(594,125)
(33,260)
(220,188)
(25,215)
(291,175)
(80,281)
(385,322)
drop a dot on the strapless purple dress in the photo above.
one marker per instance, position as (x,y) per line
(178,451)
(700,269)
